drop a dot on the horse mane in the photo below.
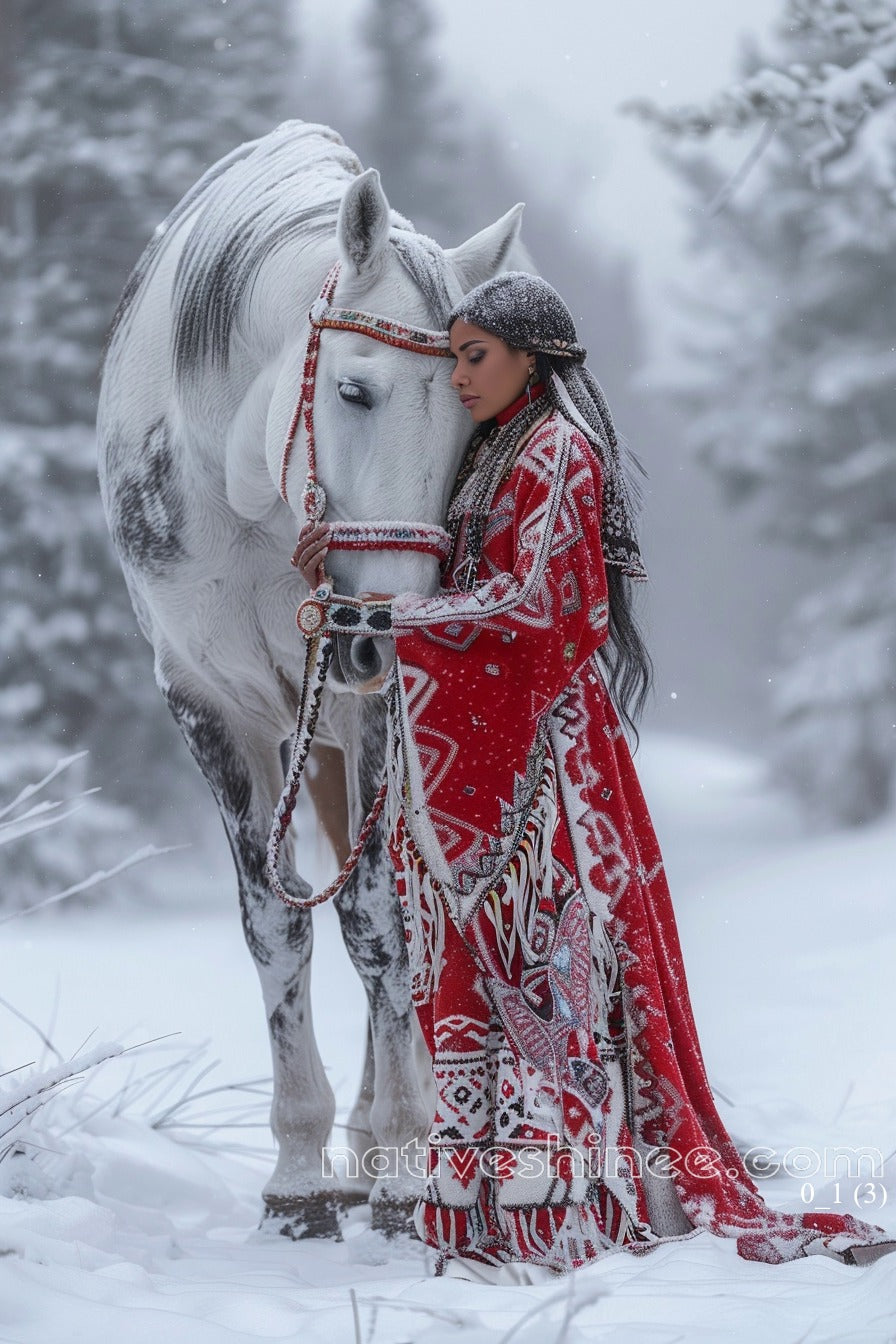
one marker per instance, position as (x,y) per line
(288,183)
(282,189)
(287,191)
(151,253)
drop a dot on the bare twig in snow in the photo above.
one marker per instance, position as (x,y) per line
(44,1039)
(437,1314)
(51,1025)
(571,1308)
(846,1096)
(31,789)
(7,1073)
(18,1104)
(101,875)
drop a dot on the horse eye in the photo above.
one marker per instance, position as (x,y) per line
(354,394)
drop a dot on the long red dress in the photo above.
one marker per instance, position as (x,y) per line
(574,1115)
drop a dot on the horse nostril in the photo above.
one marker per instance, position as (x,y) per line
(363,658)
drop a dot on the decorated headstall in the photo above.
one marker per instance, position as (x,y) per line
(325,613)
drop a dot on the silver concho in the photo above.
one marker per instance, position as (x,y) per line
(310,617)
(314,501)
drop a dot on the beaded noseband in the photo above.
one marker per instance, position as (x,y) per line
(347,536)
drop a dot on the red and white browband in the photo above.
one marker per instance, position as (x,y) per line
(417,339)
(363,536)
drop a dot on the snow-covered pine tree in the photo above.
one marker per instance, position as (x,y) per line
(452,177)
(790,395)
(836,70)
(109,110)
(113,109)
(409,128)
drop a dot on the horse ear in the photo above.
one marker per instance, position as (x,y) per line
(483,255)
(364,220)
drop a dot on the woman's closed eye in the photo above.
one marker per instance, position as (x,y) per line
(475,358)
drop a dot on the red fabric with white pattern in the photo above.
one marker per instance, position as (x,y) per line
(546,966)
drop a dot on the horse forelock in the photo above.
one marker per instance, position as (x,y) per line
(425,262)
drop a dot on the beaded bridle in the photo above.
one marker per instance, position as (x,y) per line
(347,536)
(386,536)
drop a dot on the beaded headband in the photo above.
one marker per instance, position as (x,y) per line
(383,329)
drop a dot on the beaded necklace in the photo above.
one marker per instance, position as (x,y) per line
(487,464)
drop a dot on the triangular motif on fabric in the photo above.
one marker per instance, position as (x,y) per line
(458,636)
(539,610)
(499,519)
(437,753)
(456,838)
(568,530)
(419,688)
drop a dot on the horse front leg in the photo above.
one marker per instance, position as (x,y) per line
(370,917)
(241,762)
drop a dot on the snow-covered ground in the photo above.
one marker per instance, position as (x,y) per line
(146,1230)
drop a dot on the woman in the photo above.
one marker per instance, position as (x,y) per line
(574,1114)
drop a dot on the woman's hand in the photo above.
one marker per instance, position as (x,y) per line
(310,552)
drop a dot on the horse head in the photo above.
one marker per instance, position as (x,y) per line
(389,431)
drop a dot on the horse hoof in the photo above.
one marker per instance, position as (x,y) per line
(393,1217)
(302,1217)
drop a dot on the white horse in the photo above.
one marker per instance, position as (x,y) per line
(202,374)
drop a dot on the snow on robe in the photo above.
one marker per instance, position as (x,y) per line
(574,1115)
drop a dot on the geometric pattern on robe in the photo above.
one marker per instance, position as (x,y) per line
(574,1115)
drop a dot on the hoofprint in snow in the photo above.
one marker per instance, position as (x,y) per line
(138,1221)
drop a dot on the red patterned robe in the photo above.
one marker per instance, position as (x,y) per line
(574,1114)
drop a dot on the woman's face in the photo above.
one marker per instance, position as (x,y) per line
(489,374)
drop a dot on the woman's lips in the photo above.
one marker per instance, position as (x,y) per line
(468,401)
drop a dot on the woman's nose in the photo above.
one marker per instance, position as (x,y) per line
(458,378)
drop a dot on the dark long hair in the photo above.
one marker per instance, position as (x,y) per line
(624,657)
